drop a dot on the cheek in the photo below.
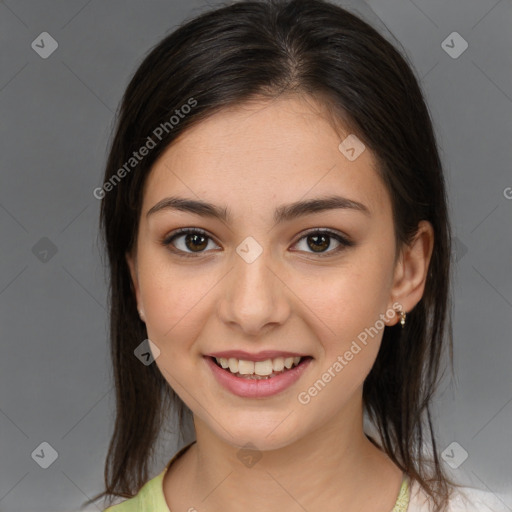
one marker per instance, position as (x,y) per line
(352,303)
(352,298)
(173,323)
(351,310)
(175,306)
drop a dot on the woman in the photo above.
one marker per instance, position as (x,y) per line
(275,218)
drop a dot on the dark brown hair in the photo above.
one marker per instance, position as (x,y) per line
(252,49)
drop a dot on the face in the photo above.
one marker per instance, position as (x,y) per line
(258,286)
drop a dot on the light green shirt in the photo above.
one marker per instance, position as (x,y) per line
(150,497)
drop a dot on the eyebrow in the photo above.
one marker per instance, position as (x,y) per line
(283,213)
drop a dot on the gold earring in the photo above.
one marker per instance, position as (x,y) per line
(402,318)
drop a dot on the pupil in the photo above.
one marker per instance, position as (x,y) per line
(316,237)
(194,238)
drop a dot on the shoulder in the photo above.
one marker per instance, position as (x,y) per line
(149,497)
(463,499)
(151,494)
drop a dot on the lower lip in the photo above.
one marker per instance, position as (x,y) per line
(257,388)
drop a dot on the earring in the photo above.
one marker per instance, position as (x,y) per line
(141,314)
(402,318)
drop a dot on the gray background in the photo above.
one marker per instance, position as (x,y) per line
(56,119)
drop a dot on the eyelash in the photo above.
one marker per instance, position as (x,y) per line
(167,241)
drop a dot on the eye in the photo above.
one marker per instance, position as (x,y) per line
(195,240)
(320,240)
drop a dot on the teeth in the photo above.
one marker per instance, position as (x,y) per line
(245,367)
(262,368)
(278,364)
(233,365)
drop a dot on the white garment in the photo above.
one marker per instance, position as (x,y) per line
(464,499)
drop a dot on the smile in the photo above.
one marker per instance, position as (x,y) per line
(257,379)
(266,369)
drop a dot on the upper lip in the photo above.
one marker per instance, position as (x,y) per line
(260,356)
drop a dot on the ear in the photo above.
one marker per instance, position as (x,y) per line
(131,260)
(412,269)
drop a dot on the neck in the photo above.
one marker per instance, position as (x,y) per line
(333,468)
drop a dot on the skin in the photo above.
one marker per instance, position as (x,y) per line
(252,159)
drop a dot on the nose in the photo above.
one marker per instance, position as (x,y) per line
(254,297)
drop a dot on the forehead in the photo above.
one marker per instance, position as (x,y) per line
(266,152)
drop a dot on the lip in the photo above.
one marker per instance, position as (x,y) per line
(260,356)
(254,388)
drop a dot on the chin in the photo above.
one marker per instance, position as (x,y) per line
(263,435)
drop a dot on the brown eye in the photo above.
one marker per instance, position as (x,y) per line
(320,240)
(191,241)
(195,241)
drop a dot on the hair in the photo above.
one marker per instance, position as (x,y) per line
(263,49)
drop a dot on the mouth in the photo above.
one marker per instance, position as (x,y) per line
(258,370)
(257,375)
